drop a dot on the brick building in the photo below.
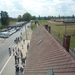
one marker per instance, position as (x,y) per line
(46,56)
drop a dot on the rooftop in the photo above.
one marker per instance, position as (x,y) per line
(48,56)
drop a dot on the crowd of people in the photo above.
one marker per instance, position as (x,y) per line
(18,56)
(19,70)
(17,39)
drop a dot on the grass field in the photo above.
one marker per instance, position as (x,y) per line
(33,26)
(13,22)
(59,29)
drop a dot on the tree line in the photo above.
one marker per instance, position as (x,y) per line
(5,19)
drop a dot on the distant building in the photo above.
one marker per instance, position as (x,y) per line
(69,21)
(65,20)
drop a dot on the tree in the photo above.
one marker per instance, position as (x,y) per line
(4,18)
(39,17)
(33,17)
(19,18)
(49,17)
(72,16)
(44,17)
(27,17)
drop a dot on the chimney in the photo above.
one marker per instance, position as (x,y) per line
(66,41)
(49,29)
(46,27)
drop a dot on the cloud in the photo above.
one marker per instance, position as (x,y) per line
(38,7)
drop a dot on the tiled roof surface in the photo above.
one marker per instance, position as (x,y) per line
(47,55)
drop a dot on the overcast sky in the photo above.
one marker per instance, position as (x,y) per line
(38,7)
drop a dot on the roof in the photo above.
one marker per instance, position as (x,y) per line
(47,55)
(69,21)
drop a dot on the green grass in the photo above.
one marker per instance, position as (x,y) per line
(58,29)
(33,26)
(12,22)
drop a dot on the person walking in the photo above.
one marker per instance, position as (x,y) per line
(13,52)
(18,55)
(28,46)
(21,56)
(21,70)
(15,59)
(9,51)
(17,69)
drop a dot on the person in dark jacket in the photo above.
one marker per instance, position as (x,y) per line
(17,68)
(15,59)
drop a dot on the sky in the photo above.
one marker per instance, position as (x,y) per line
(38,7)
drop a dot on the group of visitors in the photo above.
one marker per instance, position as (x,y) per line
(18,39)
(19,70)
(17,53)
(18,56)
